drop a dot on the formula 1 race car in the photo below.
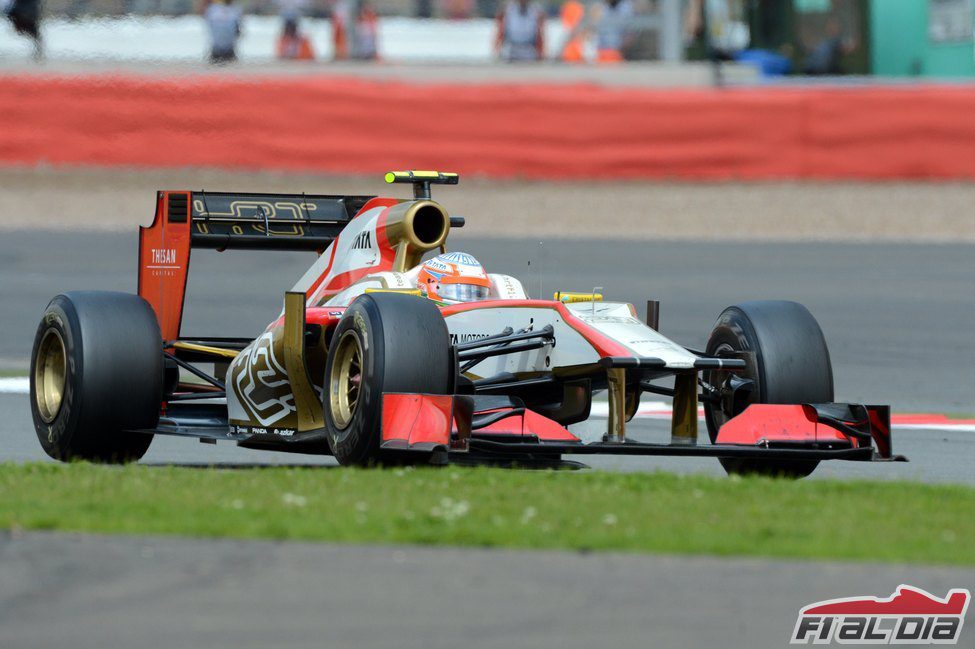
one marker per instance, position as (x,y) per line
(381,356)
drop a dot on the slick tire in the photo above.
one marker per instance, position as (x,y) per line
(96,372)
(792,365)
(385,342)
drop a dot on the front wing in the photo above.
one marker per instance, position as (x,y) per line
(455,425)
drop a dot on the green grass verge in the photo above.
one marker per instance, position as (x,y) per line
(588,510)
(13,374)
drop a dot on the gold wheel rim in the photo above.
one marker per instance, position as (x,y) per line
(50,372)
(345,379)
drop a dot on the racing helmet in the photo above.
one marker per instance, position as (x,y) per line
(453,277)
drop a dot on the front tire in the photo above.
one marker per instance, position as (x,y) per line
(792,365)
(96,372)
(385,342)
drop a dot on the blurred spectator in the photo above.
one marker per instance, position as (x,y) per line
(486,8)
(458,9)
(294,45)
(521,25)
(727,27)
(715,29)
(571,15)
(291,9)
(358,37)
(26,18)
(291,43)
(768,63)
(611,22)
(824,58)
(223,20)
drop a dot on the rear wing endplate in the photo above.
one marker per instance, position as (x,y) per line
(224,221)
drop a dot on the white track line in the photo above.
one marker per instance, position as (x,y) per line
(648,410)
(600,409)
(965,427)
(19,385)
(662,410)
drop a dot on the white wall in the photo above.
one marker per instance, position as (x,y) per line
(184,39)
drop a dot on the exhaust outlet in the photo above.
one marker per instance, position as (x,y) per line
(414,227)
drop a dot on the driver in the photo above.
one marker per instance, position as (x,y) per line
(453,277)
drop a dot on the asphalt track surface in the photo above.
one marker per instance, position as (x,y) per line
(896,317)
(97,592)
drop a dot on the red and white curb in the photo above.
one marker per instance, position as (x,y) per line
(657,410)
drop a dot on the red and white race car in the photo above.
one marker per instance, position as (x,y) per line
(383,353)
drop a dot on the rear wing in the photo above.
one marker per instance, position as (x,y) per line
(223,221)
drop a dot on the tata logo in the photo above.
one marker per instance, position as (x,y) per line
(909,616)
(165,256)
(363,241)
(456,339)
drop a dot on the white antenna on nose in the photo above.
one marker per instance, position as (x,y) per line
(535,273)
(538,269)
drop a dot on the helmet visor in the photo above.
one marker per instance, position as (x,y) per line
(463,292)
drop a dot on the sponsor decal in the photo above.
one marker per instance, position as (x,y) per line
(909,616)
(162,262)
(509,289)
(164,256)
(457,263)
(360,326)
(363,241)
(259,430)
(260,381)
(608,319)
(436,268)
(456,339)
(461,258)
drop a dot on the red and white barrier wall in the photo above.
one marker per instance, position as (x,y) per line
(341,125)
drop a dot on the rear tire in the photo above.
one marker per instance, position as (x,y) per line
(385,342)
(792,365)
(96,372)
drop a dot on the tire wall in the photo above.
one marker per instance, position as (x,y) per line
(341,125)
